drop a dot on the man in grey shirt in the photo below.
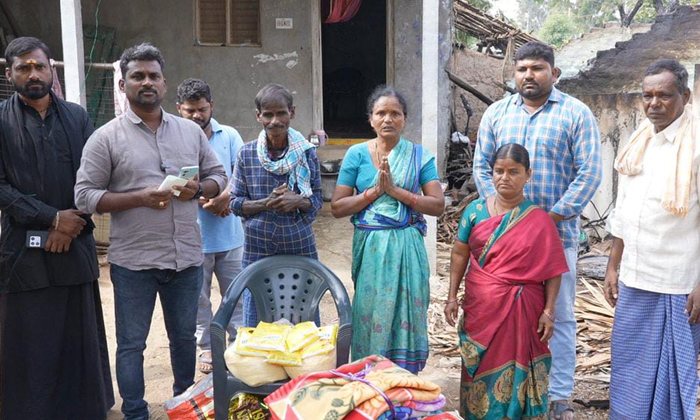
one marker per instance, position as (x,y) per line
(155,243)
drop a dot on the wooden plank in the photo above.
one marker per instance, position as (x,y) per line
(466,86)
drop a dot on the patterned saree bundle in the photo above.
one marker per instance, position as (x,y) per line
(372,388)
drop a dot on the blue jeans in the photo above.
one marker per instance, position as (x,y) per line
(134,300)
(563,342)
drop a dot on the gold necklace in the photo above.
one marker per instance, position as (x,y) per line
(495,206)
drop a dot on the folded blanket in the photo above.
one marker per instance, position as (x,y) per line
(405,413)
(344,393)
(428,406)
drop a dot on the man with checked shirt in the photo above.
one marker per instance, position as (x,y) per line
(561,135)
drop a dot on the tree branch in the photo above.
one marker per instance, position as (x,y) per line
(626,18)
(634,11)
(623,15)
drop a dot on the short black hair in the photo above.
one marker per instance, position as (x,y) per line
(141,52)
(536,50)
(273,93)
(385,90)
(22,45)
(513,151)
(673,67)
(193,90)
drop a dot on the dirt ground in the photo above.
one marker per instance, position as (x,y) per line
(334,238)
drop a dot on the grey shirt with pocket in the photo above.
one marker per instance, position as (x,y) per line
(123,156)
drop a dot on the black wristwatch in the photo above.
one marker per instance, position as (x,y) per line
(199,192)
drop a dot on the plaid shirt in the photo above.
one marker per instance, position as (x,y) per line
(271,232)
(564,144)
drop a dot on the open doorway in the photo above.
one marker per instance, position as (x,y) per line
(354,63)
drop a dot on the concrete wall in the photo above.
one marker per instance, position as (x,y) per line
(481,72)
(578,53)
(235,73)
(408,38)
(620,69)
(618,115)
(445,92)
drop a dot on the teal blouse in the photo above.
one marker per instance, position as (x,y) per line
(475,213)
(358,171)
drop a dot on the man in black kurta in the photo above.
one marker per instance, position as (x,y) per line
(52,337)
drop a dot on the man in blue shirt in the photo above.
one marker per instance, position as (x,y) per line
(222,233)
(561,135)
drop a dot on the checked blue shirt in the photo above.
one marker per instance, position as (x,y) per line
(271,232)
(564,145)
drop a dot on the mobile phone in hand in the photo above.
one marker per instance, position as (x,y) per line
(189,172)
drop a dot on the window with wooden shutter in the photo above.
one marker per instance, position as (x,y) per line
(228,22)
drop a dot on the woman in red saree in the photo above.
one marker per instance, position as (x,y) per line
(516,261)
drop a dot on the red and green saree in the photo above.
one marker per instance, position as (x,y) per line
(505,367)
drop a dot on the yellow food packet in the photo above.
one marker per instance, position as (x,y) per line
(329,333)
(270,337)
(301,335)
(317,348)
(241,345)
(282,358)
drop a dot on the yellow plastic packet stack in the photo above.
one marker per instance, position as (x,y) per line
(282,358)
(319,347)
(241,344)
(317,356)
(329,333)
(302,335)
(250,365)
(269,337)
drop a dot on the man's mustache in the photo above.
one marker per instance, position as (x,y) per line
(147,90)
(271,126)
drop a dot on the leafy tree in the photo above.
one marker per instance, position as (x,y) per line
(586,14)
(531,14)
(484,5)
(558,28)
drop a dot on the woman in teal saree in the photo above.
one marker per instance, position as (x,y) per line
(390,265)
